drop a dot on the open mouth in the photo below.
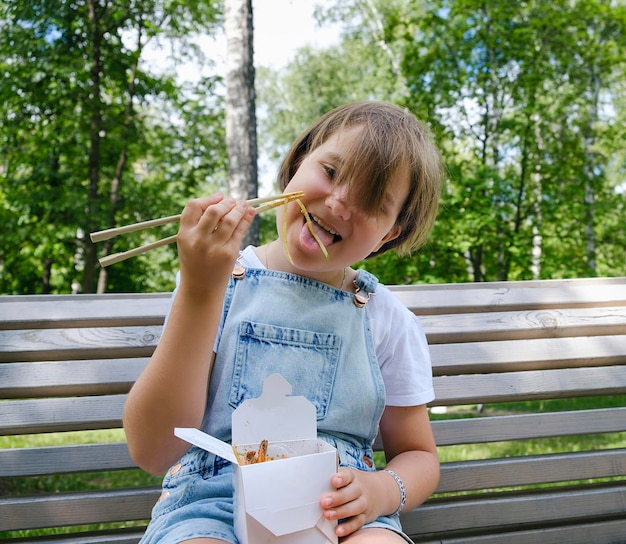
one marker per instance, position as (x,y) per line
(327,231)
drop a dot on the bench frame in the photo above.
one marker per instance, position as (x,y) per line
(67,362)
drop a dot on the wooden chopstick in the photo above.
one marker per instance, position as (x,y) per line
(107,234)
(123,255)
(268,202)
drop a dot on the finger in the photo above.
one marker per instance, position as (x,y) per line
(195,208)
(214,215)
(234,222)
(350,525)
(246,221)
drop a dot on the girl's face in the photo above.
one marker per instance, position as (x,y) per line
(348,233)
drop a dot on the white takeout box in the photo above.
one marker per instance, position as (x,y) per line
(277,501)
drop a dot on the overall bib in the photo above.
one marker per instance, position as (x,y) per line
(318,337)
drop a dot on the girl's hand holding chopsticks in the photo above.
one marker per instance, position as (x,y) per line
(209,239)
(259,205)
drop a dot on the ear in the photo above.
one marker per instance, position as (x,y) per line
(393,233)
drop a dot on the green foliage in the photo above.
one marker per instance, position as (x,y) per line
(526,101)
(94,140)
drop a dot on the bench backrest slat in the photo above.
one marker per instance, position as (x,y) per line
(480,327)
(61,311)
(512,295)
(68,378)
(48,460)
(533,354)
(78,343)
(529,426)
(61,414)
(532,508)
(531,470)
(531,385)
(77,509)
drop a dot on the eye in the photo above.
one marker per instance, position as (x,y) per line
(330,171)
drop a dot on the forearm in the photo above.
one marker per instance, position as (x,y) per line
(419,473)
(172,389)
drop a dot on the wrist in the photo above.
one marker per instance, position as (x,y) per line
(401,490)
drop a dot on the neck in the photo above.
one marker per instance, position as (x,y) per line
(274,258)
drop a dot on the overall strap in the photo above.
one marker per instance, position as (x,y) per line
(365,284)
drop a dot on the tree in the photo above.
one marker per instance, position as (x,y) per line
(241,140)
(83,118)
(516,115)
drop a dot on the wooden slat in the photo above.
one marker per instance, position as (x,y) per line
(57,510)
(526,324)
(514,510)
(511,295)
(531,470)
(69,378)
(528,426)
(78,343)
(61,311)
(600,531)
(120,536)
(47,460)
(531,385)
(536,354)
(62,414)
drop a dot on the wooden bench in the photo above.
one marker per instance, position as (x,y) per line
(66,363)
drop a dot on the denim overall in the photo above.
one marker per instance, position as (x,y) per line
(319,339)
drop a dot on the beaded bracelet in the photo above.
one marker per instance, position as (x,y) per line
(401,488)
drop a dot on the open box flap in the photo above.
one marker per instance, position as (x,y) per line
(206,442)
(275,415)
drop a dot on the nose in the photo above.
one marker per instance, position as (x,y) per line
(339,203)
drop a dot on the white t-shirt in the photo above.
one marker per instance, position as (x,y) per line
(400,343)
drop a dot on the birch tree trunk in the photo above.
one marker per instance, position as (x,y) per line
(241,143)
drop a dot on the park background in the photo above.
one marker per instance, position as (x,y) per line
(526,100)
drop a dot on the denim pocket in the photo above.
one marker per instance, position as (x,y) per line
(306,359)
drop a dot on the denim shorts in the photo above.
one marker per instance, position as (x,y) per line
(197,502)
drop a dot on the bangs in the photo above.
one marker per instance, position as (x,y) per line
(369,164)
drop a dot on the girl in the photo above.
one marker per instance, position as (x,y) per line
(371,180)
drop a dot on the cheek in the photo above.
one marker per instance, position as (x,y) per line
(286,216)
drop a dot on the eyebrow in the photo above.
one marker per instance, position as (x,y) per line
(333,157)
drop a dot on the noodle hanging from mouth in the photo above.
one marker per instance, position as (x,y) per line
(309,223)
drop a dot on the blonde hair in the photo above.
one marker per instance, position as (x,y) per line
(392,142)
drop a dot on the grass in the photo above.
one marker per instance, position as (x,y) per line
(138,478)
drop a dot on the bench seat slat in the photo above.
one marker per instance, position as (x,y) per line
(84,508)
(68,378)
(121,536)
(529,470)
(47,460)
(528,426)
(609,531)
(514,510)
(531,385)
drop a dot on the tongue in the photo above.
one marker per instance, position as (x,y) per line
(309,241)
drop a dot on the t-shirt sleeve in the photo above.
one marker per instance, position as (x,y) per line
(402,351)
